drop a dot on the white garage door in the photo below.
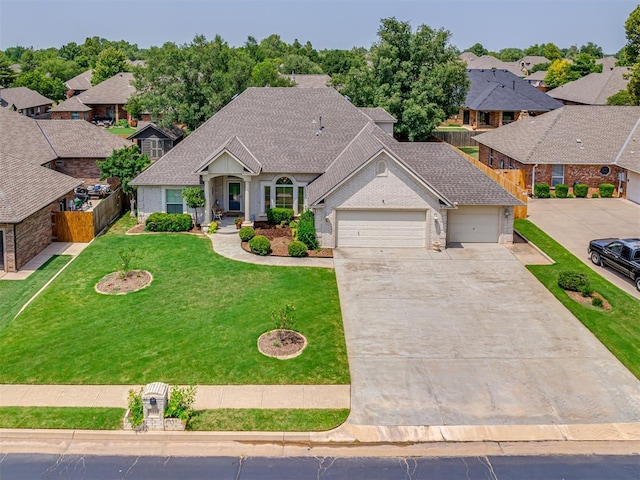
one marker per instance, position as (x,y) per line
(474,224)
(381,228)
(633,187)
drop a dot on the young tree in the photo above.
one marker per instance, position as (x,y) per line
(416,76)
(109,63)
(559,73)
(194,198)
(125,163)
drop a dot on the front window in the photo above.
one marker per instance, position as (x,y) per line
(267,197)
(174,201)
(491,157)
(557,175)
(284,193)
(300,200)
(75,116)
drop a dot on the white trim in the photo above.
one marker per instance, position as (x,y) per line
(272,184)
(164,197)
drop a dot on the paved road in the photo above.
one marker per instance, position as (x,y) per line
(469,337)
(27,466)
(574,222)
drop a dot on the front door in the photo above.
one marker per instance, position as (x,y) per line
(465,117)
(235,197)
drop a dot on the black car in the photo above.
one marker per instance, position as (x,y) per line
(621,254)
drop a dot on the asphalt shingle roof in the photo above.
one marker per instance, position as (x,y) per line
(80,82)
(310,81)
(552,138)
(73,104)
(495,90)
(487,62)
(113,91)
(173,132)
(80,139)
(22,138)
(378,114)
(593,89)
(23,97)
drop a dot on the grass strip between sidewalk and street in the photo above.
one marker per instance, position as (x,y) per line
(619,328)
(226,419)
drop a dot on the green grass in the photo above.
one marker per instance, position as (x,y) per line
(471,151)
(277,420)
(121,130)
(62,417)
(197,323)
(15,293)
(619,328)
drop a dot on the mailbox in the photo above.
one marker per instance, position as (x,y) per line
(154,404)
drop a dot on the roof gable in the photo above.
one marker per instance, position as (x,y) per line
(593,89)
(80,139)
(23,97)
(239,153)
(113,91)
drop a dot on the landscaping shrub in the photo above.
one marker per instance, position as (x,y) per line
(307,235)
(562,190)
(213,227)
(595,195)
(260,245)
(168,222)
(606,190)
(541,190)
(574,281)
(581,190)
(571,195)
(180,404)
(136,409)
(596,302)
(306,216)
(297,249)
(276,216)
(247,233)
(122,123)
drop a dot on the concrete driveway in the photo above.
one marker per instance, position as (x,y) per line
(469,337)
(574,222)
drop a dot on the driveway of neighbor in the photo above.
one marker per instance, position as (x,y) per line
(573,222)
(469,337)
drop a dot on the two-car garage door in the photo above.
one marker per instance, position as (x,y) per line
(381,228)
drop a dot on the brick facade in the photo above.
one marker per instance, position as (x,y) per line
(69,116)
(84,169)
(587,174)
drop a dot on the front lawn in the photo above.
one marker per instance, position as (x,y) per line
(197,323)
(121,130)
(76,418)
(619,328)
(15,293)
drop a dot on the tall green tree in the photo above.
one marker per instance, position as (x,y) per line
(592,49)
(478,49)
(266,74)
(15,53)
(110,62)
(632,31)
(510,54)
(341,61)
(7,75)
(559,73)
(299,64)
(416,76)
(50,87)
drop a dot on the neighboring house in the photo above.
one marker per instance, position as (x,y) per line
(105,100)
(488,62)
(536,79)
(24,101)
(310,81)
(573,144)
(78,84)
(71,109)
(528,62)
(311,148)
(30,191)
(498,97)
(592,89)
(155,141)
(608,63)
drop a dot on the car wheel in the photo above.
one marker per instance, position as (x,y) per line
(595,258)
(637,282)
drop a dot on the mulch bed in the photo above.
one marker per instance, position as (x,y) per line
(282,344)
(577,297)
(113,284)
(280,238)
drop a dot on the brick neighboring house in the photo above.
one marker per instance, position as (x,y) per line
(29,190)
(498,97)
(310,148)
(573,144)
(592,89)
(25,101)
(488,62)
(155,141)
(105,100)
(79,84)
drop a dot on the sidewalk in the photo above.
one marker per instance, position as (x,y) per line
(207,396)
(55,248)
(226,242)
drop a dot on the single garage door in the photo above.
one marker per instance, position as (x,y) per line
(633,186)
(474,225)
(381,228)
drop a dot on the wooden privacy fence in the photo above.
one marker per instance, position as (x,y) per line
(457,138)
(511,180)
(84,226)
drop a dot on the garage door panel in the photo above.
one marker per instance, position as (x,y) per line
(381,228)
(633,187)
(474,225)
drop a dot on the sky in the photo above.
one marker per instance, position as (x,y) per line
(329,24)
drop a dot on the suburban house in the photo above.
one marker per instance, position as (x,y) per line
(154,140)
(527,62)
(536,79)
(29,190)
(488,62)
(24,101)
(105,100)
(71,109)
(310,148)
(498,97)
(78,84)
(573,144)
(310,81)
(592,89)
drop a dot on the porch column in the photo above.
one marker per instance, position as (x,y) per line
(247,199)
(117,113)
(207,201)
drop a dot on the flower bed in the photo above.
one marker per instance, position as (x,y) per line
(280,238)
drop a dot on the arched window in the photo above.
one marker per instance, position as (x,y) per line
(381,168)
(284,193)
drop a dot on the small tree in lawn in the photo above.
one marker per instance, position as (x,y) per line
(194,198)
(125,163)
